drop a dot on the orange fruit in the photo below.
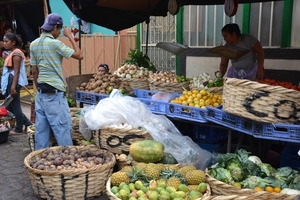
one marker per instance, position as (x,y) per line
(257,189)
(277,189)
(269,189)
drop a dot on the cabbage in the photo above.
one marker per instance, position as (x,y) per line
(255,159)
(289,191)
(235,170)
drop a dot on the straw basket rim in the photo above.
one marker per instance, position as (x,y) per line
(260,86)
(113,197)
(221,188)
(261,102)
(72,172)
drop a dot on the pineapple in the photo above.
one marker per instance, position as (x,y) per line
(174,182)
(185,169)
(126,169)
(168,173)
(119,177)
(195,177)
(174,167)
(140,165)
(152,171)
(136,174)
(160,166)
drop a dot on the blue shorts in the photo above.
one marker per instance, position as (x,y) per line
(52,112)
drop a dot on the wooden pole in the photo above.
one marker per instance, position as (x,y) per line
(45,8)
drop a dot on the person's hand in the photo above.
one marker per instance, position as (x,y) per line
(260,74)
(67,32)
(13,92)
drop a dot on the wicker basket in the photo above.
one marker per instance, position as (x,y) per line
(111,196)
(261,102)
(31,138)
(118,140)
(76,135)
(10,118)
(169,87)
(221,188)
(69,184)
(137,83)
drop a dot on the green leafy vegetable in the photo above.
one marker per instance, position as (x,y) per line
(253,181)
(137,58)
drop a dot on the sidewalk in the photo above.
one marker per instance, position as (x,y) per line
(14,182)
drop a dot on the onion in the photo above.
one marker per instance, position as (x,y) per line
(127,76)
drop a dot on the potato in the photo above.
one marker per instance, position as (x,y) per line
(97,90)
(112,79)
(83,84)
(94,85)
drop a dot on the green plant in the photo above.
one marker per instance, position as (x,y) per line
(71,102)
(137,58)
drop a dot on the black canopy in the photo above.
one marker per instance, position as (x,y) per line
(121,14)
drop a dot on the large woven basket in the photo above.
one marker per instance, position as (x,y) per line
(169,87)
(137,83)
(118,140)
(111,195)
(221,188)
(31,138)
(69,184)
(261,102)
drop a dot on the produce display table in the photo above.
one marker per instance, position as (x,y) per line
(212,117)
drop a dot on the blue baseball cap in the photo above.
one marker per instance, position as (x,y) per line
(51,20)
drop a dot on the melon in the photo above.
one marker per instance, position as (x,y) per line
(148,151)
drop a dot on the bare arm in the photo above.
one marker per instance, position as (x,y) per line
(35,73)
(224,65)
(77,51)
(16,66)
(260,59)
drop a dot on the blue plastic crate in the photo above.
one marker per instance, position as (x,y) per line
(147,94)
(218,116)
(279,132)
(289,157)
(89,97)
(157,107)
(186,112)
(209,134)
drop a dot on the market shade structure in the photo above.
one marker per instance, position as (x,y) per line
(118,15)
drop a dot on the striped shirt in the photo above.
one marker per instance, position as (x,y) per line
(47,53)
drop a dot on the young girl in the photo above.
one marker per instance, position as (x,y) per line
(13,78)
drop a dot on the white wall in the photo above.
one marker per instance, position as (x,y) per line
(197,65)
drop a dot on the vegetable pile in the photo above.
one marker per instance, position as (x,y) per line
(205,80)
(104,84)
(245,171)
(167,77)
(198,99)
(137,58)
(285,84)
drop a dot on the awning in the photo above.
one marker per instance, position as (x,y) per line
(118,15)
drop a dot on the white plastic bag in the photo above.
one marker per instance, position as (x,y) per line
(124,109)
(83,127)
(163,96)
